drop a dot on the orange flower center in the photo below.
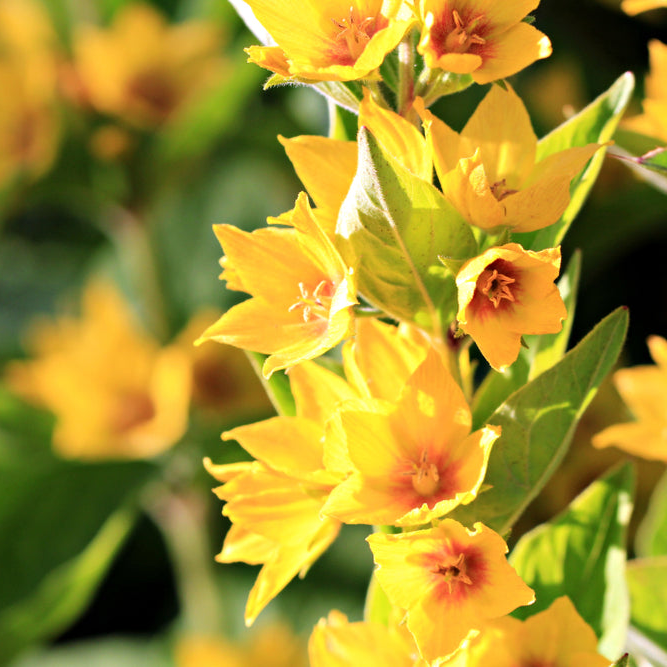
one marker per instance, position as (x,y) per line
(131,409)
(425,477)
(495,286)
(455,573)
(354,33)
(315,304)
(500,190)
(463,34)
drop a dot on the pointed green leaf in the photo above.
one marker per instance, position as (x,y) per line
(392,227)
(652,532)
(647,583)
(59,530)
(537,423)
(540,355)
(594,124)
(622,661)
(581,554)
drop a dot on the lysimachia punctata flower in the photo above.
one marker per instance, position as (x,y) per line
(326,166)
(508,292)
(275,502)
(115,392)
(335,642)
(644,390)
(489,171)
(302,292)
(653,121)
(329,40)
(141,68)
(414,460)
(557,637)
(633,7)
(449,580)
(485,38)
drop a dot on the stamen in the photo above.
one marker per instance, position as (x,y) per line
(455,573)
(425,476)
(463,35)
(354,33)
(500,190)
(495,286)
(315,304)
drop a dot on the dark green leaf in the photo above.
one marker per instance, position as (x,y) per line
(537,423)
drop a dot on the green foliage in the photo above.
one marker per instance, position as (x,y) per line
(596,123)
(581,554)
(538,421)
(647,584)
(652,532)
(392,227)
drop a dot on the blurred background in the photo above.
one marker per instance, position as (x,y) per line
(108,192)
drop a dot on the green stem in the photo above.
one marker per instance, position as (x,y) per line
(181,517)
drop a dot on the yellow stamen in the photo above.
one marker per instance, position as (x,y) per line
(315,304)
(425,476)
(463,35)
(455,573)
(354,33)
(495,286)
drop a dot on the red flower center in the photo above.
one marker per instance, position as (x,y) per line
(352,36)
(425,477)
(463,35)
(315,304)
(495,286)
(455,573)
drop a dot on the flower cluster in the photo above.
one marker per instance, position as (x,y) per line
(405,272)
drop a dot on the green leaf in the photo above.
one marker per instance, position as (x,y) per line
(60,526)
(540,355)
(647,584)
(392,227)
(622,661)
(594,124)
(537,423)
(581,554)
(651,537)
(277,386)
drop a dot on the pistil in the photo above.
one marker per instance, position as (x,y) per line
(463,35)
(315,304)
(495,286)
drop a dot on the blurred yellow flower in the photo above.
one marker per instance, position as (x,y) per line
(485,38)
(328,40)
(224,384)
(275,502)
(449,580)
(557,637)
(302,292)
(29,117)
(115,392)
(141,68)
(489,171)
(653,121)
(644,390)
(270,645)
(413,461)
(505,293)
(633,7)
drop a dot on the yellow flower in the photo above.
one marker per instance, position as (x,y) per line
(142,69)
(505,293)
(335,642)
(633,7)
(413,461)
(275,502)
(485,38)
(271,645)
(557,637)
(326,167)
(224,384)
(29,120)
(489,171)
(115,392)
(653,121)
(644,390)
(449,580)
(302,291)
(328,40)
